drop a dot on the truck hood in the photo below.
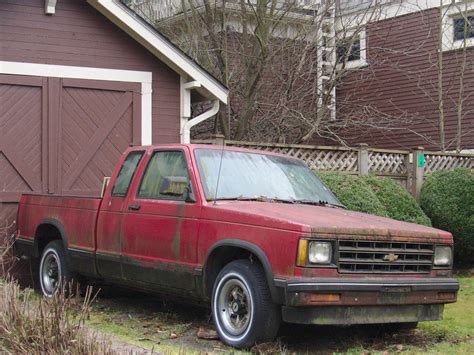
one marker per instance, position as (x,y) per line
(321,220)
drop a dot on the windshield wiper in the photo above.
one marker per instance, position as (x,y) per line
(319,203)
(256,198)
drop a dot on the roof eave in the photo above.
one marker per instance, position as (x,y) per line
(161,48)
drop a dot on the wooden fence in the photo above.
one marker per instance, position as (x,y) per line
(408,167)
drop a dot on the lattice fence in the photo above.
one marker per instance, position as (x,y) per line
(447,161)
(317,158)
(389,163)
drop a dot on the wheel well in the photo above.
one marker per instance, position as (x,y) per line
(219,258)
(46,233)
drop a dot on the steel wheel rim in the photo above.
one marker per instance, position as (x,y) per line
(234,306)
(50,273)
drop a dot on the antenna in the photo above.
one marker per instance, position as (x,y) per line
(219,171)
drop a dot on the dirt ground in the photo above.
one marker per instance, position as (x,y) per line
(161,325)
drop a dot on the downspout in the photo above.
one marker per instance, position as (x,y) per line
(186,131)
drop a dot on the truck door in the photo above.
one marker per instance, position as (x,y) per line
(160,226)
(110,219)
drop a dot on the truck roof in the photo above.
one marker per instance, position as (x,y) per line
(206,146)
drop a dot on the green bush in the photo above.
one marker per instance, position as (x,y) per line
(380,196)
(447,197)
(397,201)
(355,194)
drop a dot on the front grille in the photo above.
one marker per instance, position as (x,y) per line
(377,257)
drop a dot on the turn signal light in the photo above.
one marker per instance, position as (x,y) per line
(325,297)
(302,252)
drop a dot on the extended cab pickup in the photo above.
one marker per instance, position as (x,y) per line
(255,234)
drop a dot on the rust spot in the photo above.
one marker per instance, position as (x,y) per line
(175,246)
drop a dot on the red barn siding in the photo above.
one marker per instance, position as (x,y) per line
(77,35)
(401,79)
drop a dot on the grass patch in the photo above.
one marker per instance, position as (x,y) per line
(145,321)
(458,322)
(454,334)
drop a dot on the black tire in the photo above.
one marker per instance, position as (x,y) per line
(54,269)
(260,316)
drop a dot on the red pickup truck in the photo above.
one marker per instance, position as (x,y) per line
(255,234)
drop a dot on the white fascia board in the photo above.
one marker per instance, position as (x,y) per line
(89,73)
(160,47)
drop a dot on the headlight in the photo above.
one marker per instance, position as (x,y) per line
(319,252)
(443,256)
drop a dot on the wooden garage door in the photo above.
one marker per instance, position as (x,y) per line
(62,136)
(21,141)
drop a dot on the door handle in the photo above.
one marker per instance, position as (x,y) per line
(134,207)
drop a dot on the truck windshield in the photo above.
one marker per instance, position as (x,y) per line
(261,177)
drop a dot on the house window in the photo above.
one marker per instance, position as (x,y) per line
(463,28)
(350,49)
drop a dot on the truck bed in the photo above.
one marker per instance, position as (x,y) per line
(74,216)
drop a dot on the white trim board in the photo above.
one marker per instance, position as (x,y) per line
(63,71)
(160,47)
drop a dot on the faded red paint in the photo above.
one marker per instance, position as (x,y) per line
(175,237)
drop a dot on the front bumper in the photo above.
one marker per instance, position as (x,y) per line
(345,315)
(367,300)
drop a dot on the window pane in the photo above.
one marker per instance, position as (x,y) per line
(344,48)
(126,173)
(252,175)
(162,165)
(463,28)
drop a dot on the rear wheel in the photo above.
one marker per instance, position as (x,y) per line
(53,269)
(243,311)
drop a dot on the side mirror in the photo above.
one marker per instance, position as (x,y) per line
(105,183)
(177,186)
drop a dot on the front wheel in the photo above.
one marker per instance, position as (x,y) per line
(242,307)
(53,268)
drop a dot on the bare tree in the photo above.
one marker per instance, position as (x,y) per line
(283,64)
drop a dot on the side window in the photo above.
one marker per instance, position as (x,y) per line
(166,177)
(126,173)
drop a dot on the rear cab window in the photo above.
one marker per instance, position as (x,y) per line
(126,173)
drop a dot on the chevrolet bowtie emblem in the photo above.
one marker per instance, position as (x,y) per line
(390,257)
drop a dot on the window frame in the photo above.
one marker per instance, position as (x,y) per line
(142,153)
(453,12)
(362,61)
(145,169)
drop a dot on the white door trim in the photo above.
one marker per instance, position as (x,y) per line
(71,72)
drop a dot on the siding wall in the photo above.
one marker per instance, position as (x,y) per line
(77,35)
(401,81)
